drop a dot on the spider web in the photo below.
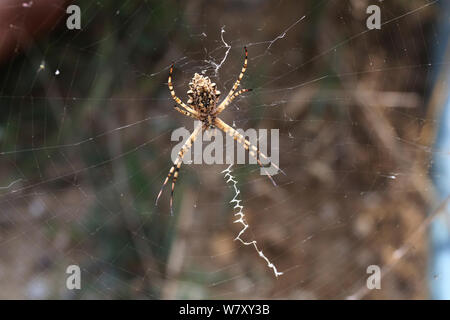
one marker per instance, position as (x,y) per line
(85,146)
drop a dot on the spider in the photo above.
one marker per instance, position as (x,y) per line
(203,105)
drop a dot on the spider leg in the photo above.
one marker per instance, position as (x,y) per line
(222,106)
(178,100)
(225,102)
(253,150)
(186,113)
(177,164)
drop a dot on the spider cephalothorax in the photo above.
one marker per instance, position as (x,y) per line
(203,98)
(202,105)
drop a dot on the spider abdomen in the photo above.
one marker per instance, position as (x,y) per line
(203,97)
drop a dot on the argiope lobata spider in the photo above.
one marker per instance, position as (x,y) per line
(202,105)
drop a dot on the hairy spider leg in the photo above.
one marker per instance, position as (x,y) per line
(186,113)
(227,101)
(253,150)
(177,164)
(178,100)
(236,94)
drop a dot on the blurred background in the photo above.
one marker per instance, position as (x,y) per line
(85,125)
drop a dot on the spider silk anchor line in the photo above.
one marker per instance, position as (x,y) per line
(241,219)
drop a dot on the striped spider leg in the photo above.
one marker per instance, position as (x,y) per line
(202,105)
(231,95)
(178,100)
(252,149)
(177,164)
